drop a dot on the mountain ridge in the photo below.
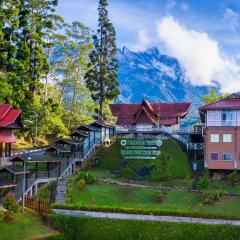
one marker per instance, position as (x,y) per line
(155,77)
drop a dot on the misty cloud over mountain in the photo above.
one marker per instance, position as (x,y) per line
(156,77)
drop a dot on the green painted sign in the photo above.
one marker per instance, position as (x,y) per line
(140,149)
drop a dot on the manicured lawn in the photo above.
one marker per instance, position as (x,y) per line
(75,228)
(23,227)
(130,197)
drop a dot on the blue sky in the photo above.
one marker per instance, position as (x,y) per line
(204,27)
(219,18)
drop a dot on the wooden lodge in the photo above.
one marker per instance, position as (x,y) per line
(30,169)
(10,119)
(148,117)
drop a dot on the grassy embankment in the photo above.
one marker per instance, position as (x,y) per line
(171,164)
(142,198)
(24,227)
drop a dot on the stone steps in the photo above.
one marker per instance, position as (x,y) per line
(61,191)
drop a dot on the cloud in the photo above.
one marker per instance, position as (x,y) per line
(144,41)
(170,4)
(231,18)
(184,6)
(200,56)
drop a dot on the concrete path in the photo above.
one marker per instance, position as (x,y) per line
(146,217)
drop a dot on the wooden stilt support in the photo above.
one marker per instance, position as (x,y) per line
(1,150)
(10,150)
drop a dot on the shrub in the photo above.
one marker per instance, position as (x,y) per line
(81,184)
(10,204)
(204,183)
(233,177)
(141,211)
(209,197)
(93,202)
(84,228)
(159,196)
(87,176)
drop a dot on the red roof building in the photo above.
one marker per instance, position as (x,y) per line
(149,114)
(222,133)
(9,119)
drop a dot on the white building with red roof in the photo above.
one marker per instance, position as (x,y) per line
(222,133)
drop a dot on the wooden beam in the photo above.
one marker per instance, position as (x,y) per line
(6,147)
(48,170)
(10,150)
(1,150)
(36,169)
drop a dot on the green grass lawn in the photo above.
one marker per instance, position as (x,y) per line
(225,186)
(130,197)
(23,227)
(75,228)
(172,163)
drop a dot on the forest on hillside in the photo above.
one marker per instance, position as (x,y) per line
(60,74)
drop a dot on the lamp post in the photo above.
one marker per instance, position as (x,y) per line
(24,186)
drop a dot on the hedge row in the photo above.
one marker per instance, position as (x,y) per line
(84,228)
(143,211)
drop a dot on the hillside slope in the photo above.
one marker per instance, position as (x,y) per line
(172,163)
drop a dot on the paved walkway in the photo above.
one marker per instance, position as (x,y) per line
(147,217)
(142,185)
(169,189)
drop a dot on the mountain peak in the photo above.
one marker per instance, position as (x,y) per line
(125,50)
(154,76)
(153,51)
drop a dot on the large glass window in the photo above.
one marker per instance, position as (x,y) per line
(227,118)
(227,156)
(227,137)
(214,138)
(214,156)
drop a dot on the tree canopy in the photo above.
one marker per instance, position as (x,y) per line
(43,63)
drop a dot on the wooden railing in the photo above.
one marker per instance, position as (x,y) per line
(41,206)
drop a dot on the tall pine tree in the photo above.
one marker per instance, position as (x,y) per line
(101,79)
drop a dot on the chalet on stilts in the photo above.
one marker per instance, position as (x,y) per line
(107,130)
(10,119)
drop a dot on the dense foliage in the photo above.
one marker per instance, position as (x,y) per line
(43,62)
(165,167)
(95,228)
(10,203)
(102,75)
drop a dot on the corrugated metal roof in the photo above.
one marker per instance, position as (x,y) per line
(16,170)
(8,115)
(169,112)
(227,103)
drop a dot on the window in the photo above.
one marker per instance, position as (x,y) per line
(227,137)
(227,156)
(214,156)
(227,118)
(214,138)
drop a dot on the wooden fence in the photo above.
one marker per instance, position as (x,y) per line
(41,206)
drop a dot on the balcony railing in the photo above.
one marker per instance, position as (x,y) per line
(223,123)
(138,128)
